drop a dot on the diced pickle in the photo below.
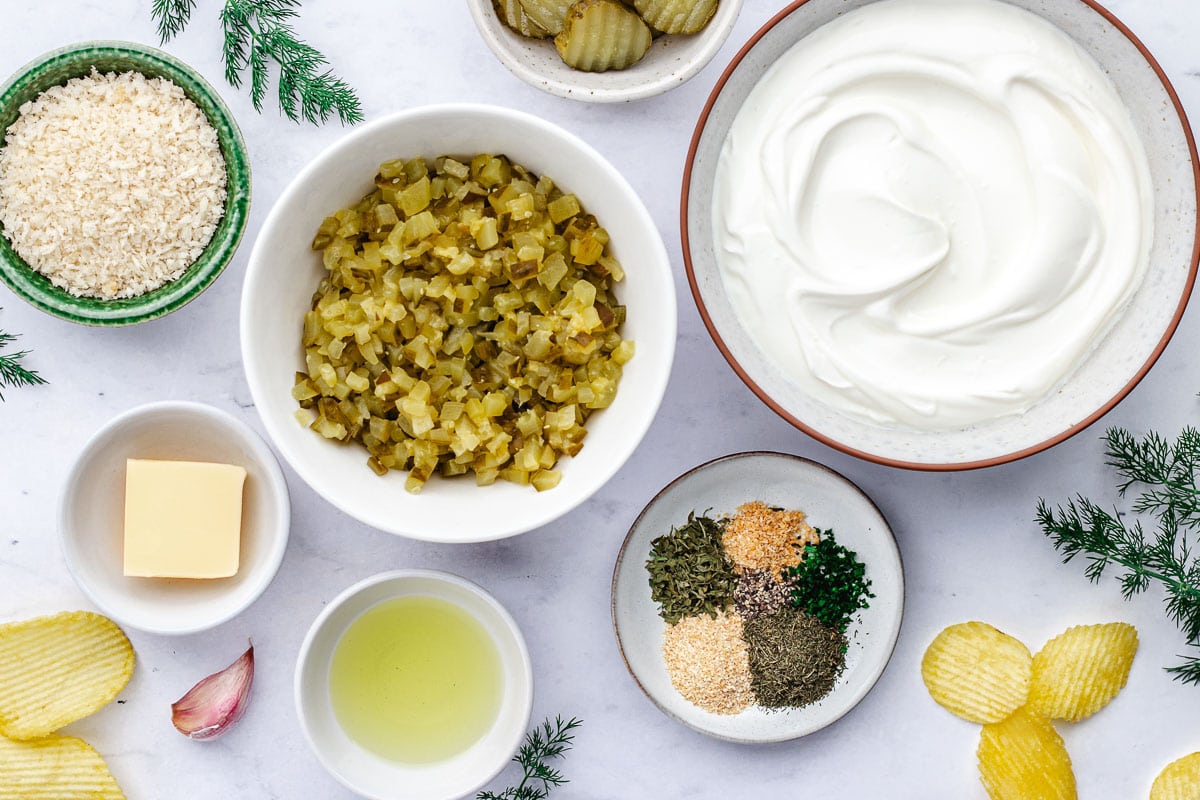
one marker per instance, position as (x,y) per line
(563,208)
(467,323)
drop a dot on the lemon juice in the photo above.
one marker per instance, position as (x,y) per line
(416,680)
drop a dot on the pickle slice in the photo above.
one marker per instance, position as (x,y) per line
(549,14)
(676,16)
(600,35)
(512,13)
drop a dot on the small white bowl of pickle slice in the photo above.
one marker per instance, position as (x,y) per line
(458,322)
(604,51)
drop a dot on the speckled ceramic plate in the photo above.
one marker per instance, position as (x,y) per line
(59,66)
(671,60)
(1118,361)
(718,488)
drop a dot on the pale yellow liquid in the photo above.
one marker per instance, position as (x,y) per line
(415,680)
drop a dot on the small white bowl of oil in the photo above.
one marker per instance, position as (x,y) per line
(414,683)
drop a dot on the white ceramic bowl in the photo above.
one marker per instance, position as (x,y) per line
(284,272)
(718,488)
(370,775)
(671,60)
(1118,361)
(91,517)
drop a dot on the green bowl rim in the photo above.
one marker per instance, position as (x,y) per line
(37,290)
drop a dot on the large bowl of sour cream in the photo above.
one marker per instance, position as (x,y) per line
(942,234)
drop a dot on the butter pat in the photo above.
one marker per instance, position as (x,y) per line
(183,519)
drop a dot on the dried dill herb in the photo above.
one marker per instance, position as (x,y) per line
(689,573)
(794,659)
(830,583)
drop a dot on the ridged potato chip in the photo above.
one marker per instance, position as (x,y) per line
(58,669)
(1079,671)
(55,768)
(1180,780)
(549,14)
(1024,758)
(977,672)
(676,16)
(512,13)
(599,35)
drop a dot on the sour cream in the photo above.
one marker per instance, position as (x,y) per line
(928,212)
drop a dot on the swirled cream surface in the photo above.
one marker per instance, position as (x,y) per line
(927,212)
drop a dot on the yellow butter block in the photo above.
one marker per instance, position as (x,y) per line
(183,519)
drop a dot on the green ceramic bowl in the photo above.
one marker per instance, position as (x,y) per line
(59,66)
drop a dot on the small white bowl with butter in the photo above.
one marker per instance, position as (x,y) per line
(174,518)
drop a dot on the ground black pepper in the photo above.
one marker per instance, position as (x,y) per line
(758,593)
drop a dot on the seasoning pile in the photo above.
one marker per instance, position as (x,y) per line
(757,607)
(111,185)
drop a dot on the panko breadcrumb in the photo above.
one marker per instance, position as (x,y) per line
(708,662)
(111,185)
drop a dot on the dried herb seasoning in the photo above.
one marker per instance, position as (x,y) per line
(830,583)
(689,573)
(759,536)
(706,659)
(795,659)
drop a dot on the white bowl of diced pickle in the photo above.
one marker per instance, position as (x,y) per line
(458,323)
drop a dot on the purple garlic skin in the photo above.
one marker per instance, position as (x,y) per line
(212,706)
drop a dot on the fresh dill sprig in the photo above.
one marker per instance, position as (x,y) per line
(258,32)
(1163,476)
(172,17)
(549,741)
(12,373)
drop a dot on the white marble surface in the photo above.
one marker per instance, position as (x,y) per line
(969,545)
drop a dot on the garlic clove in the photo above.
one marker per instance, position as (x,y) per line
(214,704)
